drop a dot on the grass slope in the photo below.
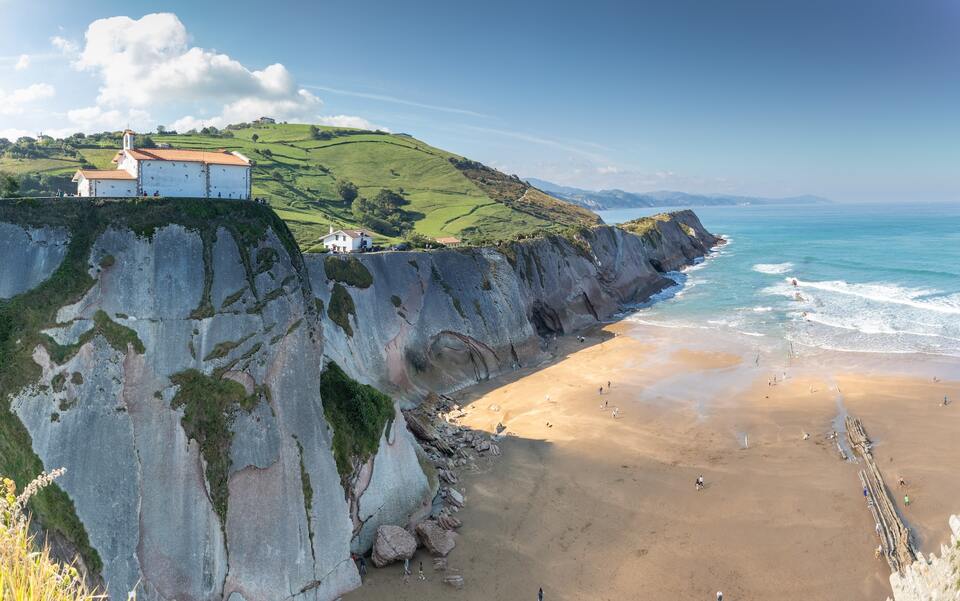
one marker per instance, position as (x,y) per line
(298,175)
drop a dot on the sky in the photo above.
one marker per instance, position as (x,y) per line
(854,100)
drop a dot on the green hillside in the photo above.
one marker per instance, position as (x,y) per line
(301,170)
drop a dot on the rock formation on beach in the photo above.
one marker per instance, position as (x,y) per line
(170,356)
(932,578)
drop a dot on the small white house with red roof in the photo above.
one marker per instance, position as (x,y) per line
(347,241)
(169,172)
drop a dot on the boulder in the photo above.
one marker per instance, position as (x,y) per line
(455,497)
(392,543)
(435,538)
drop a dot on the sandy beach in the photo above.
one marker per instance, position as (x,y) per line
(590,506)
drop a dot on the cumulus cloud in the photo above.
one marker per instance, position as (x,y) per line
(19,100)
(348,121)
(95,118)
(63,45)
(12,133)
(22,62)
(148,61)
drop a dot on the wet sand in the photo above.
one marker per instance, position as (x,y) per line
(589,506)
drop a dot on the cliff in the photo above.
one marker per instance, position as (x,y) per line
(934,578)
(171,355)
(445,319)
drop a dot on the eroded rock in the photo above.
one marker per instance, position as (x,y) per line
(435,538)
(392,543)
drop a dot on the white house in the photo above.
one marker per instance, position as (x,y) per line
(347,241)
(169,172)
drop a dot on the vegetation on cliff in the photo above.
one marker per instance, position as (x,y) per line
(23,317)
(209,406)
(347,270)
(341,308)
(318,176)
(358,414)
(27,571)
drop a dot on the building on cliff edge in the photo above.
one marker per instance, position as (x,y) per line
(168,172)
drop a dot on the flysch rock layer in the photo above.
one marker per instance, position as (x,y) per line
(138,483)
(441,320)
(430,321)
(29,256)
(932,578)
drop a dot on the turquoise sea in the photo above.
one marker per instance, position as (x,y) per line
(869,278)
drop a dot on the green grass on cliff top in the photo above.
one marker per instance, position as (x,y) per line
(298,175)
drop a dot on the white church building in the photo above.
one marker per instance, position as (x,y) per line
(169,172)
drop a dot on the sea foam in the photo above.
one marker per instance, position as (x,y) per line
(773,268)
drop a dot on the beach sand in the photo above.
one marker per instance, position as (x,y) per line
(592,507)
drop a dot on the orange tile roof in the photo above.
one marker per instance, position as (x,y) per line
(186,156)
(449,240)
(105,174)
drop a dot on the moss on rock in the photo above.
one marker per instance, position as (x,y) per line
(209,406)
(341,308)
(358,414)
(349,271)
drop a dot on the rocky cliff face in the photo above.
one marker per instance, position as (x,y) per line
(170,358)
(934,578)
(445,319)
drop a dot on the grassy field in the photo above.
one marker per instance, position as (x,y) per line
(298,175)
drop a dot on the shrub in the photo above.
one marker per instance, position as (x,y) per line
(27,572)
(357,413)
(347,190)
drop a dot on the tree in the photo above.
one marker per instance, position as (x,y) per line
(267,153)
(255,137)
(8,186)
(347,190)
(314,131)
(161,130)
(140,141)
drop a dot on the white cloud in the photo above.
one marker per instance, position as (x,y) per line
(22,62)
(95,118)
(395,100)
(19,100)
(63,45)
(348,121)
(146,62)
(12,133)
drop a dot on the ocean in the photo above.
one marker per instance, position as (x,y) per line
(868,277)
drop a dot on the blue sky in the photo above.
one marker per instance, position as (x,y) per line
(854,100)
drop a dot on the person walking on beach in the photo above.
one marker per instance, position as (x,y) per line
(601,390)
(700,482)
(719,596)
(902,483)
(540,594)
(616,412)
(406,570)
(906,500)
(420,576)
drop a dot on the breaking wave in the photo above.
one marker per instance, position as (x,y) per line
(773,268)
